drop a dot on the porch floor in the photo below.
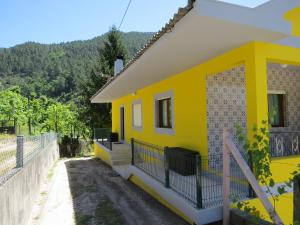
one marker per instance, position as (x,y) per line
(281,169)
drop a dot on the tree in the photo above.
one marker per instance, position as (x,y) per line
(99,115)
(13,106)
(113,48)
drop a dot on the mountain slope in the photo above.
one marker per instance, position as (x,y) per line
(56,70)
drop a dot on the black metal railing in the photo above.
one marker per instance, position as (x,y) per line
(102,136)
(284,143)
(197,179)
(149,158)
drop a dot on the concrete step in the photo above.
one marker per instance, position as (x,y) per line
(123,151)
(121,155)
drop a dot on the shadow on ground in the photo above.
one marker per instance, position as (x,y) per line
(101,197)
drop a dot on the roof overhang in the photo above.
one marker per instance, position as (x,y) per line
(196,38)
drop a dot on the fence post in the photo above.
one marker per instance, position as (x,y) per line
(42,141)
(251,192)
(167,169)
(20,151)
(297,199)
(132,151)
(198,182)
(226,179)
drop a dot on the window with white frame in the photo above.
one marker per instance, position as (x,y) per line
(164,113)
(137,115)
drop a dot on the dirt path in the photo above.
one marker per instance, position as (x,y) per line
(87,192)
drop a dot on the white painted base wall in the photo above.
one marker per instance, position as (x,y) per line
(199,216)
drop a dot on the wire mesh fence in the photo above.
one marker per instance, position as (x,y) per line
(8,148)
(17,152)
(102,135)
(197,179)
(150,159)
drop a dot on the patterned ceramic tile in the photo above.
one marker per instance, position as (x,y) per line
(287,80)
(226,105)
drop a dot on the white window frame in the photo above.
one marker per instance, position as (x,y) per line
(160,96)
(137,102)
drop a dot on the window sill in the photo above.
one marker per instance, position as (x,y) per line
(169,131)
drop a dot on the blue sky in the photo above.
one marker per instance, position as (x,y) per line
(54,21)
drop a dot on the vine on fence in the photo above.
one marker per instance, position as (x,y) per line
(258,147)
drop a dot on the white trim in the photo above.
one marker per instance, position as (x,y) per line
(136,102)
(213,30)
(199,217)
(276,92)
(161,96)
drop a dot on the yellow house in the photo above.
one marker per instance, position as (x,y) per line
(214,65)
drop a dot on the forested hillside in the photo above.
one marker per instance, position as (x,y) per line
(57,70)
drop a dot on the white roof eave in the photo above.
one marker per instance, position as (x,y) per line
(195,39)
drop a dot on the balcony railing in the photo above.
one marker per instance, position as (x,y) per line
(284,144)
(197,179)
(102,136)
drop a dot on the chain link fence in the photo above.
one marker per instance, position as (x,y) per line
(17,152)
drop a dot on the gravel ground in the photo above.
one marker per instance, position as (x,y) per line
(87,192)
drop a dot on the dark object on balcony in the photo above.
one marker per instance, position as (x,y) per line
(113,137)
(181,160)
(296,198)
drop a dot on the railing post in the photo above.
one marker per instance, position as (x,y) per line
(226,179)
(43,141)
(132,151)
(251,192)
(167,169)
(297,199)
(20,151)
(198,182)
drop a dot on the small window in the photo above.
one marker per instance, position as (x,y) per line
(137,115)
(277,109)
(164,113)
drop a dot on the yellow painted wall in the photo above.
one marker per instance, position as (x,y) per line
(293,16)
(102,154)
(189,89)
(284,208)
(282,168)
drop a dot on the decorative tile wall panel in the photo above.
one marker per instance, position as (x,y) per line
(226,105)
(287,80)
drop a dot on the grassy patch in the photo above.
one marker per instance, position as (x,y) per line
(5,136)
(51,171)
(50,174)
